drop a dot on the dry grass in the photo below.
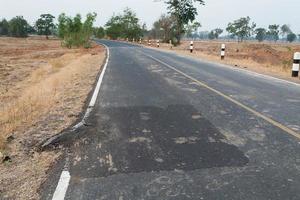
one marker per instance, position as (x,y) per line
(267,58)
(45,92)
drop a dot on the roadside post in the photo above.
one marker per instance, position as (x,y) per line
(223,51)
(140,40)
(133,40)
(127,39)
(296,65)
(192,46)
(157,43)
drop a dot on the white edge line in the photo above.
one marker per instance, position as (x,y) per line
(255,74)
(95,94)
(62,186)
(63,183)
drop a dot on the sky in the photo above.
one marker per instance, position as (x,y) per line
(215,14)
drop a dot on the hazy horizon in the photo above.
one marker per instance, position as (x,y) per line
(214,14)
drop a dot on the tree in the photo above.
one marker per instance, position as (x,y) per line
(261,34)
(214,34)
(211,35)
(74,32)
(4,26)
(217,32)
(87,29)
(191,29)
(273,32)
(291,37)
(285,30)
(44,24)
(99,32)
(114,28)
(241,28)
(18,27)
(184,11)
(62,25)
(132,29)
(125,25)
(164,28)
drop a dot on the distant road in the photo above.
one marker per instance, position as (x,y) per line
(170,127)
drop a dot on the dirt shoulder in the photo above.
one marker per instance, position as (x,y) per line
(265,58)
(43,90)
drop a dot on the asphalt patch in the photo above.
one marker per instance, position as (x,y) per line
(175,140)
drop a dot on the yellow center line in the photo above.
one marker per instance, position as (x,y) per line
(271,121)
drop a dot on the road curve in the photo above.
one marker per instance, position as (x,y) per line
(170,127)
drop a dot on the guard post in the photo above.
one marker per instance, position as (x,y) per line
(223,51)
(296,65)
(191,46)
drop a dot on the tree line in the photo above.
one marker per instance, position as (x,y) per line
(178,22)
(239,29)
(73,31)
(180,19)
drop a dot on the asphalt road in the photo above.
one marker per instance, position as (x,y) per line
(170,127)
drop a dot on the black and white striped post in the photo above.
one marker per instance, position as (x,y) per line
(140,40)
(170,42)
(191,46)
(296,65)
(157,43)
(223,51)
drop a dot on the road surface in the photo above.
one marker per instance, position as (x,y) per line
(169,127)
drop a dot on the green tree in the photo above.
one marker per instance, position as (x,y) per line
(285,30)
(291,37)
(125,25)
(184,11)
(114,27)
(4,27)
(18,27)
(74,32)
(99,32)
(218,32)
(261,34)
(214,34)
(211,35)
(164,28)
(191,29)
(31,29)
(44,25)
(62,25)
(273,32)
(241,28)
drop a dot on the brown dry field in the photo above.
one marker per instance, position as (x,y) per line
(43,90)
(273,59)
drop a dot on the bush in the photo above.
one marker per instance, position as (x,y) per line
(291,37)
